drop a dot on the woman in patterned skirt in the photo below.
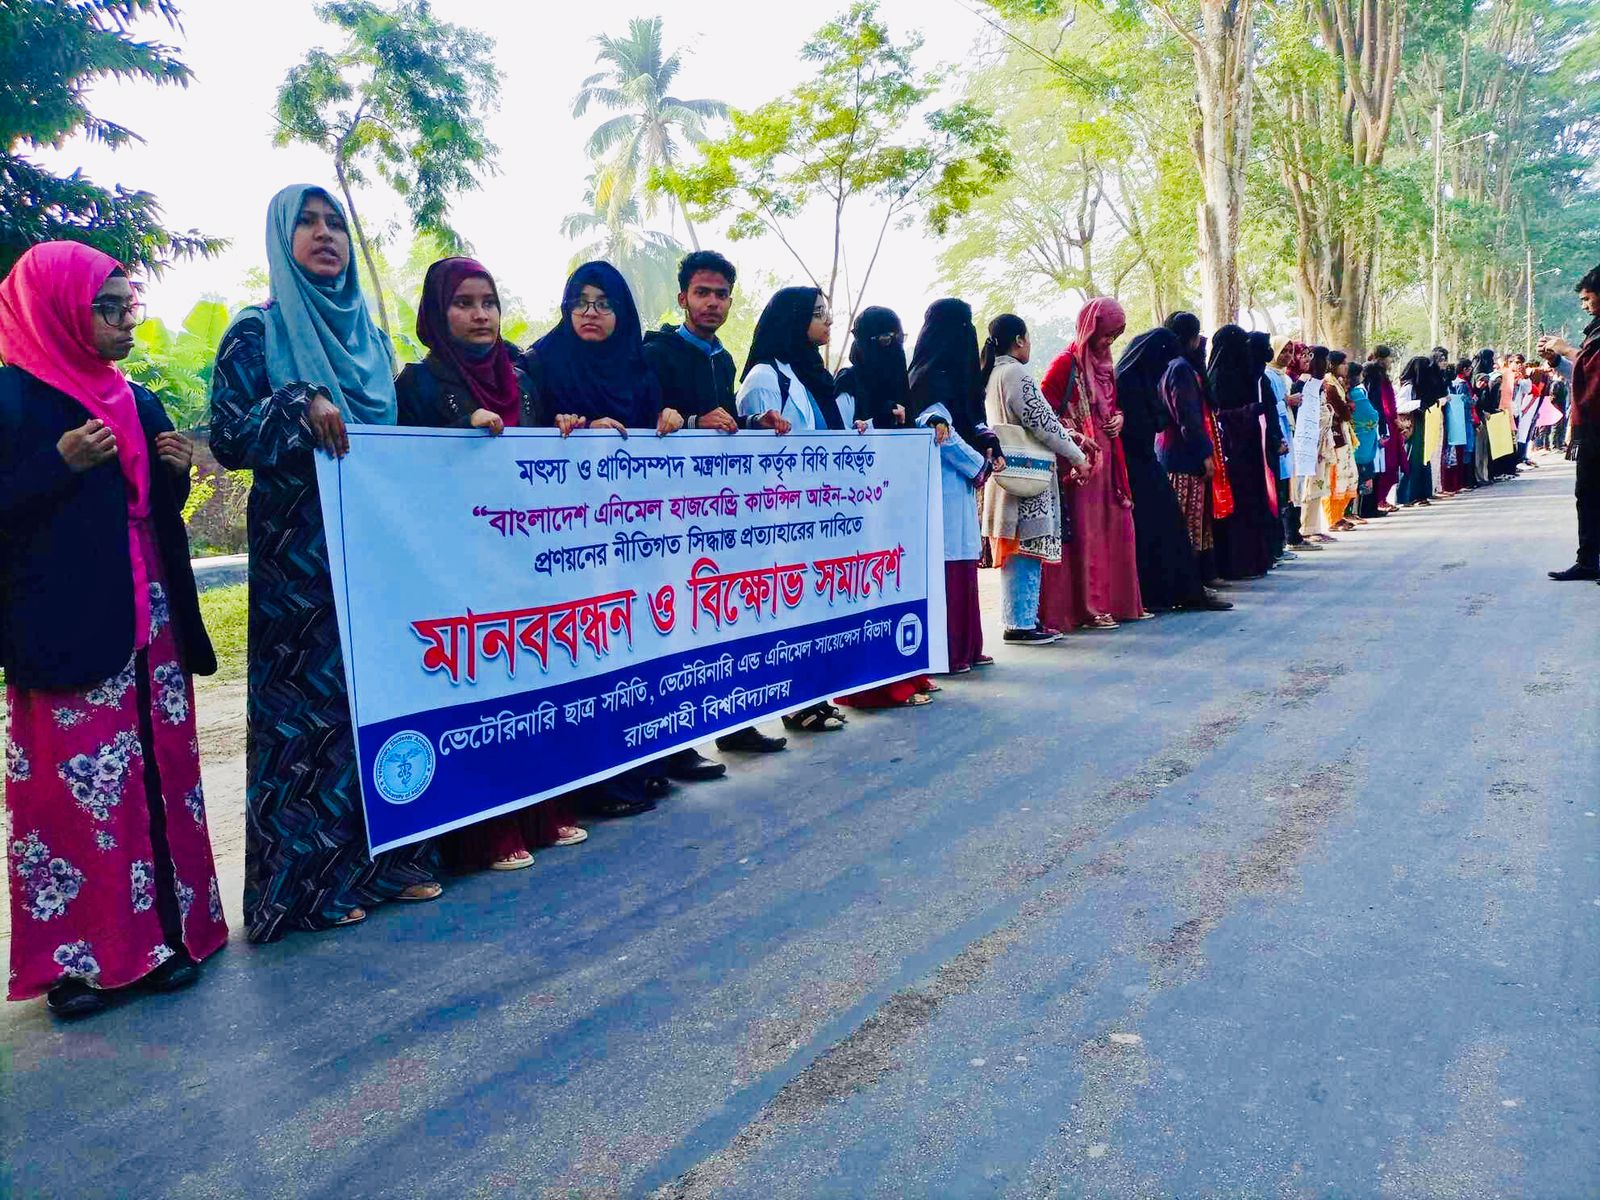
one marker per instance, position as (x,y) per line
(289,375)
(112,880)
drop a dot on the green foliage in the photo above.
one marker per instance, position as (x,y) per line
(226,614)
(201,489)
(176,364)
(405,96)
(840,140)
(51,54)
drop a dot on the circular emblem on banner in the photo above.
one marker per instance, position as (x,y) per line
(908,635)
(404,768)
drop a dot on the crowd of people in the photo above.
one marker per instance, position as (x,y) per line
(1108,490)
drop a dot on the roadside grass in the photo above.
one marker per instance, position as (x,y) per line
(225,611)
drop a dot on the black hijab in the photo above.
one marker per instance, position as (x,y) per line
(944,366)
(598,379)
(876,376)
(1139,373)
(1230,369)
(782,336)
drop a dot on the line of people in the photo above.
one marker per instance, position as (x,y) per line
(1107,491)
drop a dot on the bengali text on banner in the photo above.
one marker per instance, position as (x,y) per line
(525,614)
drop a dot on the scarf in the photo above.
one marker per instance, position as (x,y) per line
(47,330)
(488,371)
(876,376)
(1231,369)
(597,380)
(1099,317)
(947,353)
(319,331)
(782,336)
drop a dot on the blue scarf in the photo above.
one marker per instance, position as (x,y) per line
(319,331)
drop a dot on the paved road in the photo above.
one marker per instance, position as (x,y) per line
(1298,901)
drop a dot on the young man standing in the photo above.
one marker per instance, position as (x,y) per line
(697,376)
(1580,366)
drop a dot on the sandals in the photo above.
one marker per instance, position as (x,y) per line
(354,917)
(819,718)
(520,861)
(916,700)
(1102,621)
(420,893)
(570,835)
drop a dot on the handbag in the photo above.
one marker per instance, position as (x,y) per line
(1030,465)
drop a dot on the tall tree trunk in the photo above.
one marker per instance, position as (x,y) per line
(361,240)
(688,225)
(1223,50)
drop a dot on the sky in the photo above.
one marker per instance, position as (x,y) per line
(208,154)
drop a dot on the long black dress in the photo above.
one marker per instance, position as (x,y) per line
(306,860)
(1243,540)
(1168,573)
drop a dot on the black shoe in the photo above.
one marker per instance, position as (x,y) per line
(1031,637)
(72,998)
(657,787)
(1576,571)
(178,972)
(1209,601)
(690,766)
(751,740)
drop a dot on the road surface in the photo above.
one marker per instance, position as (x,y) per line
(1296,901)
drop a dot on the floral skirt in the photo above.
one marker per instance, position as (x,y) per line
(108,825)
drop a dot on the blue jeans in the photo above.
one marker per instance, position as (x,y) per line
(1019,591)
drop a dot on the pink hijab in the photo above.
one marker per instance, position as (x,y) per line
(46,329)
(1100,316)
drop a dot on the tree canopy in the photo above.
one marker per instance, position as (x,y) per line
(51,53)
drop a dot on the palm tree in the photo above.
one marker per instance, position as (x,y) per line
(613,226)
(635,84)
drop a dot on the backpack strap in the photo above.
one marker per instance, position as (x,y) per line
(783,382)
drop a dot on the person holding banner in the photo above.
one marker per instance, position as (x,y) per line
(1313,450)
(947,396)
(289,375)
(591,370)
(100,632)
(1389,465)
(876,386)
(1344,479)
(696,374)
(785,374)
(470,380)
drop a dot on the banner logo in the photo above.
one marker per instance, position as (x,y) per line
(404,768)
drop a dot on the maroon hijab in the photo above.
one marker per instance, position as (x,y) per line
(491,379)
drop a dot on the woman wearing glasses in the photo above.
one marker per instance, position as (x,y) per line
(591,371)
(112,880)
(290,375)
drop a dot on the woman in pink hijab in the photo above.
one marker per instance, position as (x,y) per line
(112,880)
(1097,583)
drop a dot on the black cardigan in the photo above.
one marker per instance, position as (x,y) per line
(430,394)
(66,582)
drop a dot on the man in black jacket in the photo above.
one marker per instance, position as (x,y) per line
(697,377)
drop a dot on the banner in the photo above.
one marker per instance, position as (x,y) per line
(1502,441)
(525,614)
(1307,442)
(1432,433)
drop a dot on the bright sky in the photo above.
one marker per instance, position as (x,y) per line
(208,153)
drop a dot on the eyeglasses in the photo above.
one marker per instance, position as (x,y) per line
(115,312)
(601,306)
(888,339)
(821,314)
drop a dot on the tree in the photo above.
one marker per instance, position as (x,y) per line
(177,364)
(1330,97)
(841,140)
(643,137)
(614,230)
(406,93)
(1219,37)
(51,53)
